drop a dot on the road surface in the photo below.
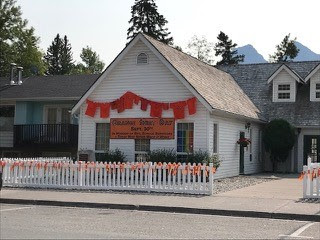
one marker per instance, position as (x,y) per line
(41,222)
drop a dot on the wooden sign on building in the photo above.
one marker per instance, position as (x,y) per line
(142,128)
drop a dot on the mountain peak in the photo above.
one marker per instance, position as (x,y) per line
(251,54)
(305,54)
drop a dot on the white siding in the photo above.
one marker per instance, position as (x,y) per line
(314,79)
(284,78)
(153,81)
(229,150)
(6,139)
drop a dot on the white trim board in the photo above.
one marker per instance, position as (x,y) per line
(286,68)
(312,73)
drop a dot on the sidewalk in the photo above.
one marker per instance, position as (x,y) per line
(279,198)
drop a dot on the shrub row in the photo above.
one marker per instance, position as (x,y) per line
(163,156)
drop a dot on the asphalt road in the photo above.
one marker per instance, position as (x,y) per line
(40,222)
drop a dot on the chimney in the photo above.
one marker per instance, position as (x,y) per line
(12,76)
(19,69)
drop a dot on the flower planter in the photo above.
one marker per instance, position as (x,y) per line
(244,142)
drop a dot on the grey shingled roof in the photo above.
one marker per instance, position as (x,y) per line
(218,88)
(47,87)
(252,78)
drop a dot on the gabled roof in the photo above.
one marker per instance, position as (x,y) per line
(288,70)
(316,69)
(58,87)
(252,78)
(216,89)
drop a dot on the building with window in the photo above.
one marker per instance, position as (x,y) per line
(163,75)
(153,96)
(289,91)
(232,103)
(35,115)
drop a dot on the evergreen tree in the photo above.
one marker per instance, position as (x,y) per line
(53,57)
(201,49)
(145,18)
(59,56)
(91,59)
(285,50)
(66,57)
(18,43)
(279,138)
(226,49)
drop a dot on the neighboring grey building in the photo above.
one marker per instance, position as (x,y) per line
(290,91)
(35,117)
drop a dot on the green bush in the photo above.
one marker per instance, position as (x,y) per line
(162,155)
(111,156)
(169,155)
(201,156)
(278,139)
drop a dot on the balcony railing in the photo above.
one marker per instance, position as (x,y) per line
(46,135)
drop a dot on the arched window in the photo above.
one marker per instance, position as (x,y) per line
(142,58)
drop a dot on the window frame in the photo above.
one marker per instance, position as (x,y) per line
(59,108)
(217,139)
(184,122)
(314,90)
(283,91)
(317,90)
(140,63)
(276,91)
(95,138)
(8,119)
(139,152)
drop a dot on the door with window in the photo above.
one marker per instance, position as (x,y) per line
(57,118)
(311,148)
(57,115)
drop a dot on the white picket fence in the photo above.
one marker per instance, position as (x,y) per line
(311,180)
(130,176)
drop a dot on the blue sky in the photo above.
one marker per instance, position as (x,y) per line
(103,24)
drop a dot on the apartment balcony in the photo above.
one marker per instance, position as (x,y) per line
(46,135)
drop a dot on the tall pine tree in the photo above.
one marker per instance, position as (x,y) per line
(286,50)
(226,49)
(59,56)
(145,18)
(66,57)
(53,58)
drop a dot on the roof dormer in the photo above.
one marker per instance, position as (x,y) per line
(284,84)
(314,77)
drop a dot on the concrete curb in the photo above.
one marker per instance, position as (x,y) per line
(204,211)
